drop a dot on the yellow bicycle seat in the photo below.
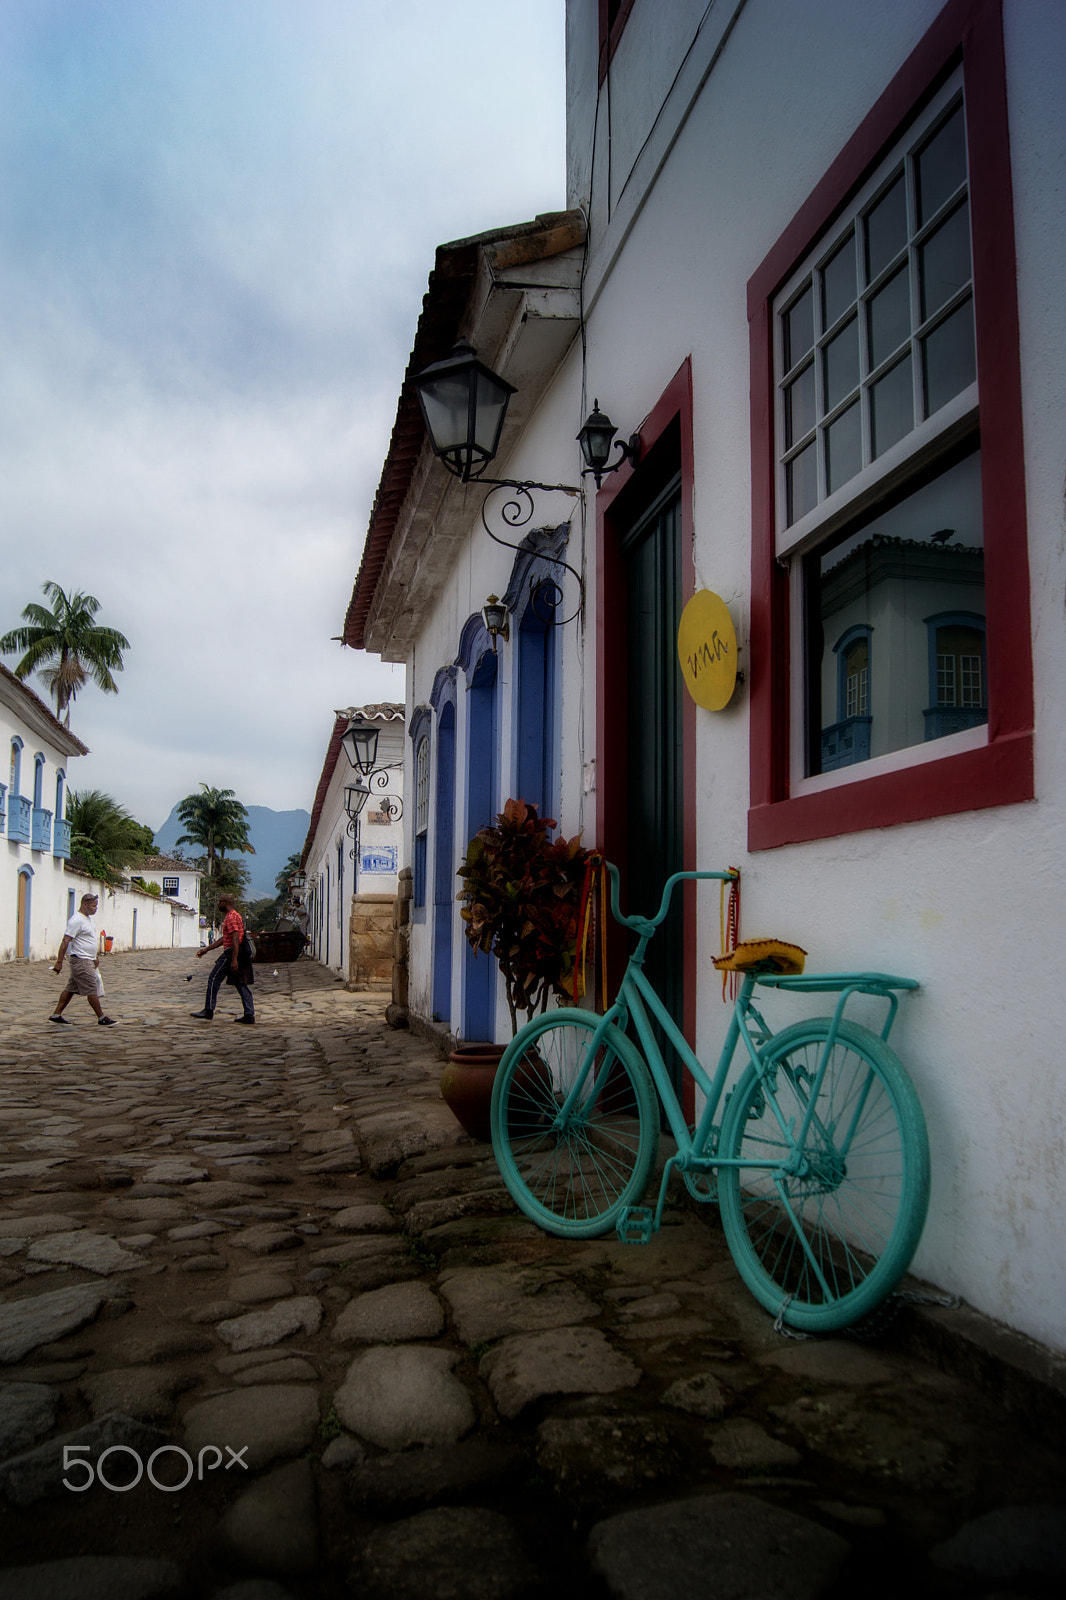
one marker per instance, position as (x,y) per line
(776,953)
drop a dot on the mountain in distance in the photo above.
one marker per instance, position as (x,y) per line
(276,835)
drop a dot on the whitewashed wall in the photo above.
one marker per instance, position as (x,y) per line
(23,716)
(973,905)
(330,912)
(700,189)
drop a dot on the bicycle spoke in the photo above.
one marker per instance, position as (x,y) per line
(827,1226)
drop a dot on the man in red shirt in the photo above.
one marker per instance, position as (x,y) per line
(229,963)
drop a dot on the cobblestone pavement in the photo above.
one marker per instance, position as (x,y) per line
(273,1249)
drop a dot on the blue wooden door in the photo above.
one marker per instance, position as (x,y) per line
(445,886)
(479,970)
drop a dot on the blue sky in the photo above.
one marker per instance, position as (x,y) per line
(217,218)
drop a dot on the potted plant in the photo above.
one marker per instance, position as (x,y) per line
(521,895)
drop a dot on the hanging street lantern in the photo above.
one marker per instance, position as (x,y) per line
(464,404)
(361,746)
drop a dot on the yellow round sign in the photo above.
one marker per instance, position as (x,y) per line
(707,649)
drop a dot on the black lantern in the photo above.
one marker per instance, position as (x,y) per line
(496,615)
(361,746)
(463,405)
(356,796)
(596,439)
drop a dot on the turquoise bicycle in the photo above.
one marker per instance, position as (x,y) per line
(820,1163)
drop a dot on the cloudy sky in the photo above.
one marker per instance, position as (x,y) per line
(217,218)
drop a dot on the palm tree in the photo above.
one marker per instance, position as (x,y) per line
(68,637)
(281,882)
(103,835)
(216,821)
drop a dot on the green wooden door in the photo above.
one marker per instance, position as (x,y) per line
(652,553)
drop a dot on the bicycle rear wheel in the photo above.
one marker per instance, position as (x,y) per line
(826,1239)
(572,1163)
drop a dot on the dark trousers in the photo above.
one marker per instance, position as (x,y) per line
(218,977)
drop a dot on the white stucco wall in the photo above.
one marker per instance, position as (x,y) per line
(330,911)
(701,188)
(956,901)
(23,717)
(185,929)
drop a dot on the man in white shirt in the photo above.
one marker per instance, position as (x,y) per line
(80,940)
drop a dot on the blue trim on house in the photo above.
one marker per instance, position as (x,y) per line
(474,640)
(942,720)
(61,839)
(482,805)
(443,688)
(20,814)
(444,885)
(41,829)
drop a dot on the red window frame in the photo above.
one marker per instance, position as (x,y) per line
(1001,773)
(610,32)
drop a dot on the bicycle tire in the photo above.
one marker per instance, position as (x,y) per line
(573,1180)
(862,1196)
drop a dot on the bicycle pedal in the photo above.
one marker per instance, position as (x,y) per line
(635,1224)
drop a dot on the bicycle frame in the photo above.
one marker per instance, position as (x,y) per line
(638,1001)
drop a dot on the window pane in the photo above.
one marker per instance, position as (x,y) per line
(892,406)
(944,261)
(801,481)
(842,364)
(910,579)
(843,448)
(799,407)
(886,229)
(948,358)
(838,282)
(799,328)
(941,166)
(889,315)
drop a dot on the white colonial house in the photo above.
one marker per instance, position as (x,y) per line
(813,265)
(352,857)
(179,885)
(34,889)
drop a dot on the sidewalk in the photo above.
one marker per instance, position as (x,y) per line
(268,1261)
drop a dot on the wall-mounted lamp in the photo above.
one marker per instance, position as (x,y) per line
(356,796)
(496,618)
(361,746)
(464,404)
(596,438)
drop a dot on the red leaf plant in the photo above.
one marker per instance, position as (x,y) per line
(522,892)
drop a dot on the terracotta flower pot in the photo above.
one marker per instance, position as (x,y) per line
(466,1086)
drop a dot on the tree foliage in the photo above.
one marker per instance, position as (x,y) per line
(66,646)
(229,877)
(522,896)
(216,821)
(104,838)
(281,881)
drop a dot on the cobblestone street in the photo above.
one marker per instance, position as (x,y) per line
(273,1248)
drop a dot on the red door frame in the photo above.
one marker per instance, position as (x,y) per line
(665,444)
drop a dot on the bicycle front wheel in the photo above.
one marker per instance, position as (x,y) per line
(822,1232)
(574,1131)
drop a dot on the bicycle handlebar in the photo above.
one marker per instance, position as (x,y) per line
(646,925)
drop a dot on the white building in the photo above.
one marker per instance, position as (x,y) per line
(34,890)
(352,865)
(179,884)
(821,282)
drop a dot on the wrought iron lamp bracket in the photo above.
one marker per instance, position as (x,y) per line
(517,512)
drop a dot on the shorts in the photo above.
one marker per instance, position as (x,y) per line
(82,978)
